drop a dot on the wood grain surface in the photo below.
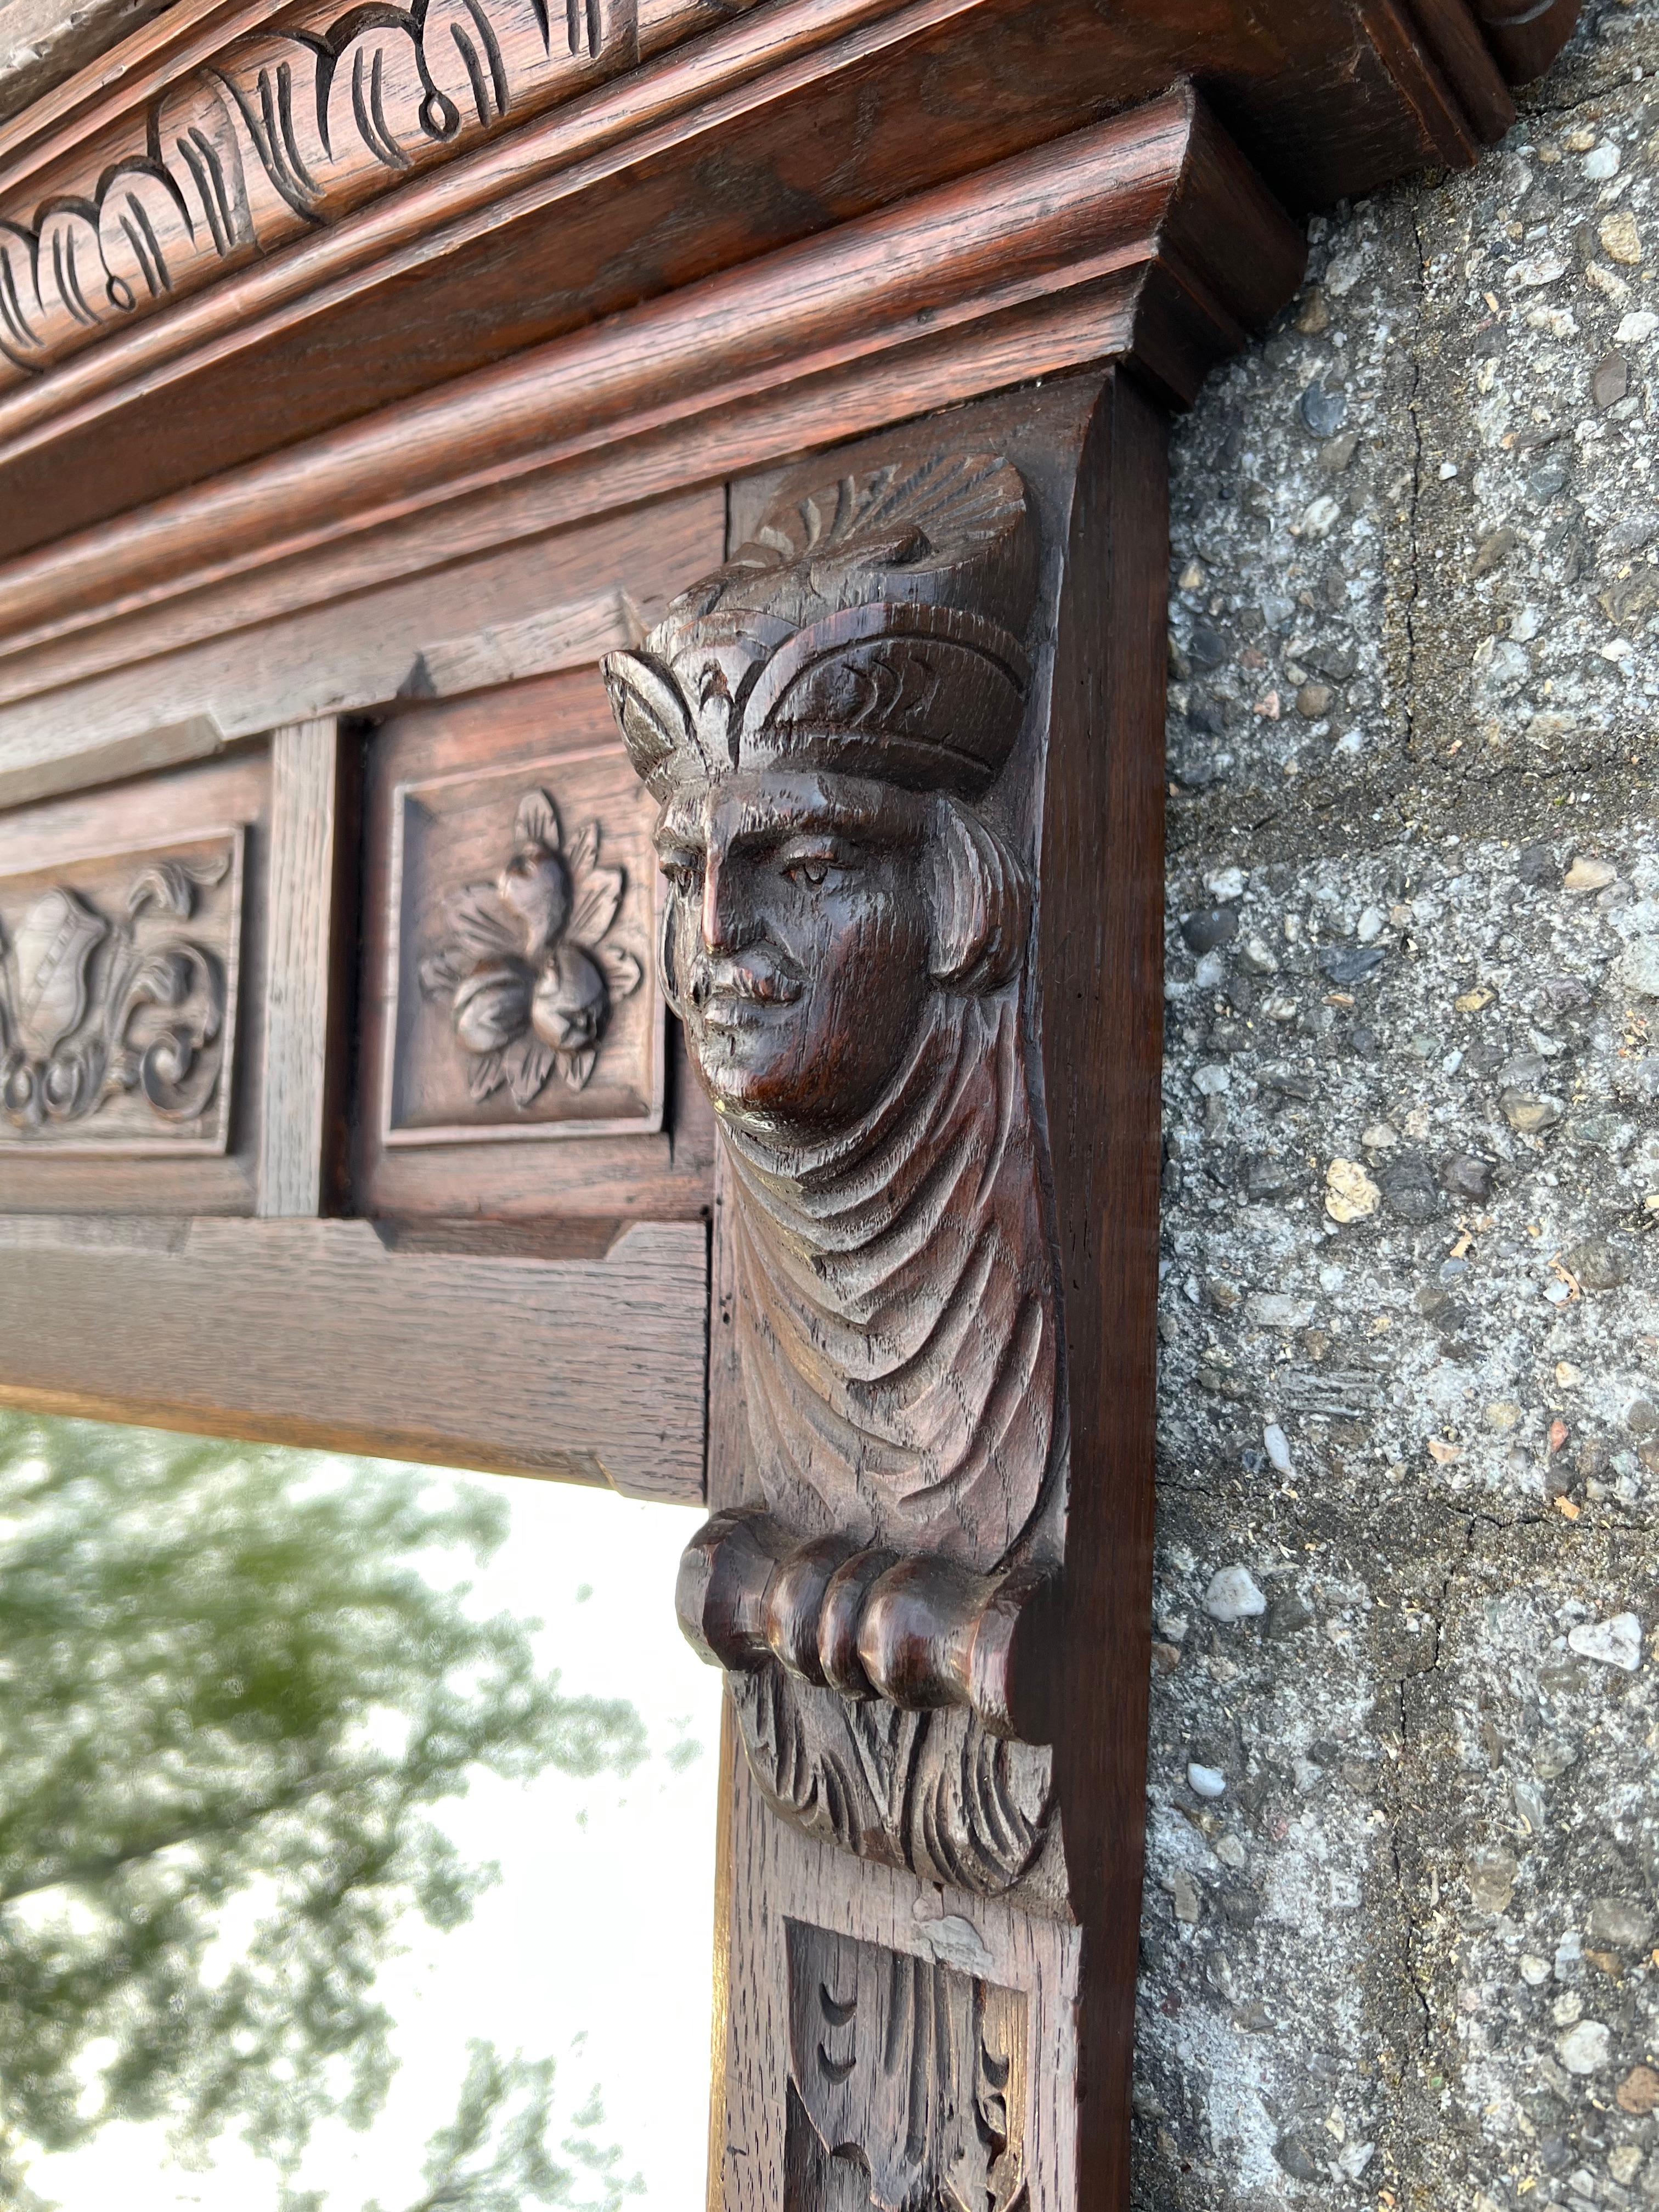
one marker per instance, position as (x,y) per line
(308,641)
(949,1959)
(162,813)
(1328,96)
(412,416)
(68,759)
(310,935)
(1135,206)
(480,1352)
(520,733)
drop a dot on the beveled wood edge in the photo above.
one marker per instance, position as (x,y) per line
(684,65)
(403,1353)
(689,88)
(310,936)
(109,759)
(535,614)
(1101,208)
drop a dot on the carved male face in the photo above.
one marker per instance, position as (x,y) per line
(798,940)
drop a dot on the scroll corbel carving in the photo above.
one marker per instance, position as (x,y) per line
(828,724)
(922,1632)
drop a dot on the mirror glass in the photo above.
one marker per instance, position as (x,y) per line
(356,1836)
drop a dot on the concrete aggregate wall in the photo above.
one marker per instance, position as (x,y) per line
(1403,1865)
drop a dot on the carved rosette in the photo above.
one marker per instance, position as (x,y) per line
(114,1019)
(827,723)
(526,968)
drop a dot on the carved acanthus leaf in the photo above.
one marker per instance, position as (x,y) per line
(913,2070)
(94,1007)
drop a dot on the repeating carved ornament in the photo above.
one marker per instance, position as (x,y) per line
(124,1009)
(825,723)
(911,2071)
(286,131)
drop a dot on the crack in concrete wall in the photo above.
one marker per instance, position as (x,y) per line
(1403,1860)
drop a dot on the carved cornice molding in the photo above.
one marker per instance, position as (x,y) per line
(281,132)
(243,220)
(1147,238)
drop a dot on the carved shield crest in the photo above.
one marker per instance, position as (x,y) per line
(53,951)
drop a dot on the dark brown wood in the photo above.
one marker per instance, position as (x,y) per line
(1328,96)
(444,785)
(1527,35)
(517,1002)
(921,703)
(1101,955)
(1147,237)
(811,377)
(481,1353)
(309,640)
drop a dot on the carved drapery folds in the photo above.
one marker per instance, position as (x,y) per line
(826,724)
(287,130)
(118,981)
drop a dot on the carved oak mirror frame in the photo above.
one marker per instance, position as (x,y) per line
(623,817)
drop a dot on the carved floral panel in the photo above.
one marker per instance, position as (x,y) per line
(117,999)
(522,958)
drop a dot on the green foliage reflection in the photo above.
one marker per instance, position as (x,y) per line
(229,1691)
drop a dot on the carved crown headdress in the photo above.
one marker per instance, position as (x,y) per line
(871,627)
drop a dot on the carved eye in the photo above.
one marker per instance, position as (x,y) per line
(682,871)
(813,865)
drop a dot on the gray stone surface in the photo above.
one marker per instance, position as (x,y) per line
(44,41)
(1411,1243)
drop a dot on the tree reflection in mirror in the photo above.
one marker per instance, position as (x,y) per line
(356,1832)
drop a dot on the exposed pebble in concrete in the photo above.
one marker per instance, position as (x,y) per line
(1232,1596)
(1412,1209)
(1616,1642)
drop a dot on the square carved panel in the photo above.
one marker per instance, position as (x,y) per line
(524,1002)
(119,978)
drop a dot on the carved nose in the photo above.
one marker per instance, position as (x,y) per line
(722,931)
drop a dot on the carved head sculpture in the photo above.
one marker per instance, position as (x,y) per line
(817,720)
(823,721)
(843,940)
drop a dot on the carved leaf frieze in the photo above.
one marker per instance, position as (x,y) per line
(912,2071)
(118,981)
(287,130)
